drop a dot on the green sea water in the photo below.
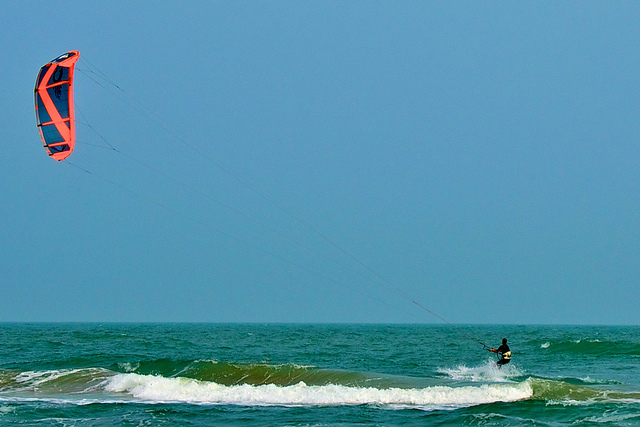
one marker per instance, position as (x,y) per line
(279,374)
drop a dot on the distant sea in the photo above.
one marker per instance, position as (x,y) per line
(75,374)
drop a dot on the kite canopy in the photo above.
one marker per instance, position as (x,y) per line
(54,105)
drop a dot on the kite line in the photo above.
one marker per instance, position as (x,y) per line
(98,77)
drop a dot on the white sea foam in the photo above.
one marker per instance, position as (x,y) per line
(37,378)
(72,380)
(590,380)
(545,345)
(128,366)
(613,418)
(483,373)
(161,390)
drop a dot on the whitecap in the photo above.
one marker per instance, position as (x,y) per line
(156,389)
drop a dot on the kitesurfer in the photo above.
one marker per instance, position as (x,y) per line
(504,352)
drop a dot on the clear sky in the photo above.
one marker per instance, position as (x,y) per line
(276,159)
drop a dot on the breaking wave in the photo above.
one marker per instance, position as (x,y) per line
(159,389)
(213,383)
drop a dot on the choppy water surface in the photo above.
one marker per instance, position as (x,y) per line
(253,374)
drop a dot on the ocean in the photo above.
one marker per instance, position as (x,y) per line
(90,374)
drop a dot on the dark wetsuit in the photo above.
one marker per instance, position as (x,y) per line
(505,354)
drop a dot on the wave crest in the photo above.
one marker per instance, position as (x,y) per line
(160,389)
(245,373)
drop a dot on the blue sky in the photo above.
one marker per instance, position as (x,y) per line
(276,159)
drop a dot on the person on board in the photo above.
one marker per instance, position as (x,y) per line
(504,352)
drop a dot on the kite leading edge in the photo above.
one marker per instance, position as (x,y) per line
(54,105)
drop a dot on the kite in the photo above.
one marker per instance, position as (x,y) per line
(54,105)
